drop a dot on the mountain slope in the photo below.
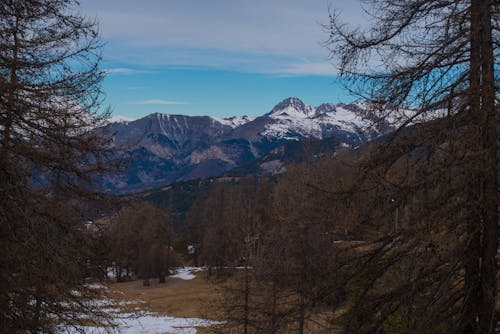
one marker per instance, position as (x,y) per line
(161,149)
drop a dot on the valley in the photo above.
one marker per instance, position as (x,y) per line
(249,167)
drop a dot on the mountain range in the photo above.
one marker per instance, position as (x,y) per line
(161,149)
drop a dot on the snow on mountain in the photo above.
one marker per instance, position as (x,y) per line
(120,119)
(291,107)
(162,148)
(290,119)
(293,119)
(234,121)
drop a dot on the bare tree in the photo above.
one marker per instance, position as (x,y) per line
(156,255)
(49,103)
(223,235)
(434,61)
(141,240)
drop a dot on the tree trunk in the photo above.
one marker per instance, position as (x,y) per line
(12,108)
(473,250)
(471,268)
(481,269)
(118,273)
(301,317)
(245,307)
(489,191)
(161,277)
(273,328)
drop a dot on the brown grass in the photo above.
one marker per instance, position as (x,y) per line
(197,298)
(176,297)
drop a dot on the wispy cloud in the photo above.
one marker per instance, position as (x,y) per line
(159,102)
(247,62)
(228,34)
(123,70)
(309,68)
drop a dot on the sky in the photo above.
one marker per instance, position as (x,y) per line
(216,57)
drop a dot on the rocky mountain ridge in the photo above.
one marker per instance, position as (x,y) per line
(161,149)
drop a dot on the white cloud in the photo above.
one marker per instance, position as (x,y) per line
(309,68)
(174,33)
(251,62)
(122,70)
(159,102)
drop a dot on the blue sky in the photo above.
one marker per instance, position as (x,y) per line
(216,57)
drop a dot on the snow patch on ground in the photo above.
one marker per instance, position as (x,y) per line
(147,323)
(143,322)
(187,273)
(96,286)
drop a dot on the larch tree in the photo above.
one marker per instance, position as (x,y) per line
(141,238)
(50,99)
(432,67)
(223,238)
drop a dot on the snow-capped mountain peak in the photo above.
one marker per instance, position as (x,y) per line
(165,148)
(293,119)
(291,107)
(325,108)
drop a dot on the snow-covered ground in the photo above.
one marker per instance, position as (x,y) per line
(146,323)
(187,273)
(143,322)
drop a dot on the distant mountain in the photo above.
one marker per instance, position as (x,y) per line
(161,149)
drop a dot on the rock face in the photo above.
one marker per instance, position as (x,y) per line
(160,149)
